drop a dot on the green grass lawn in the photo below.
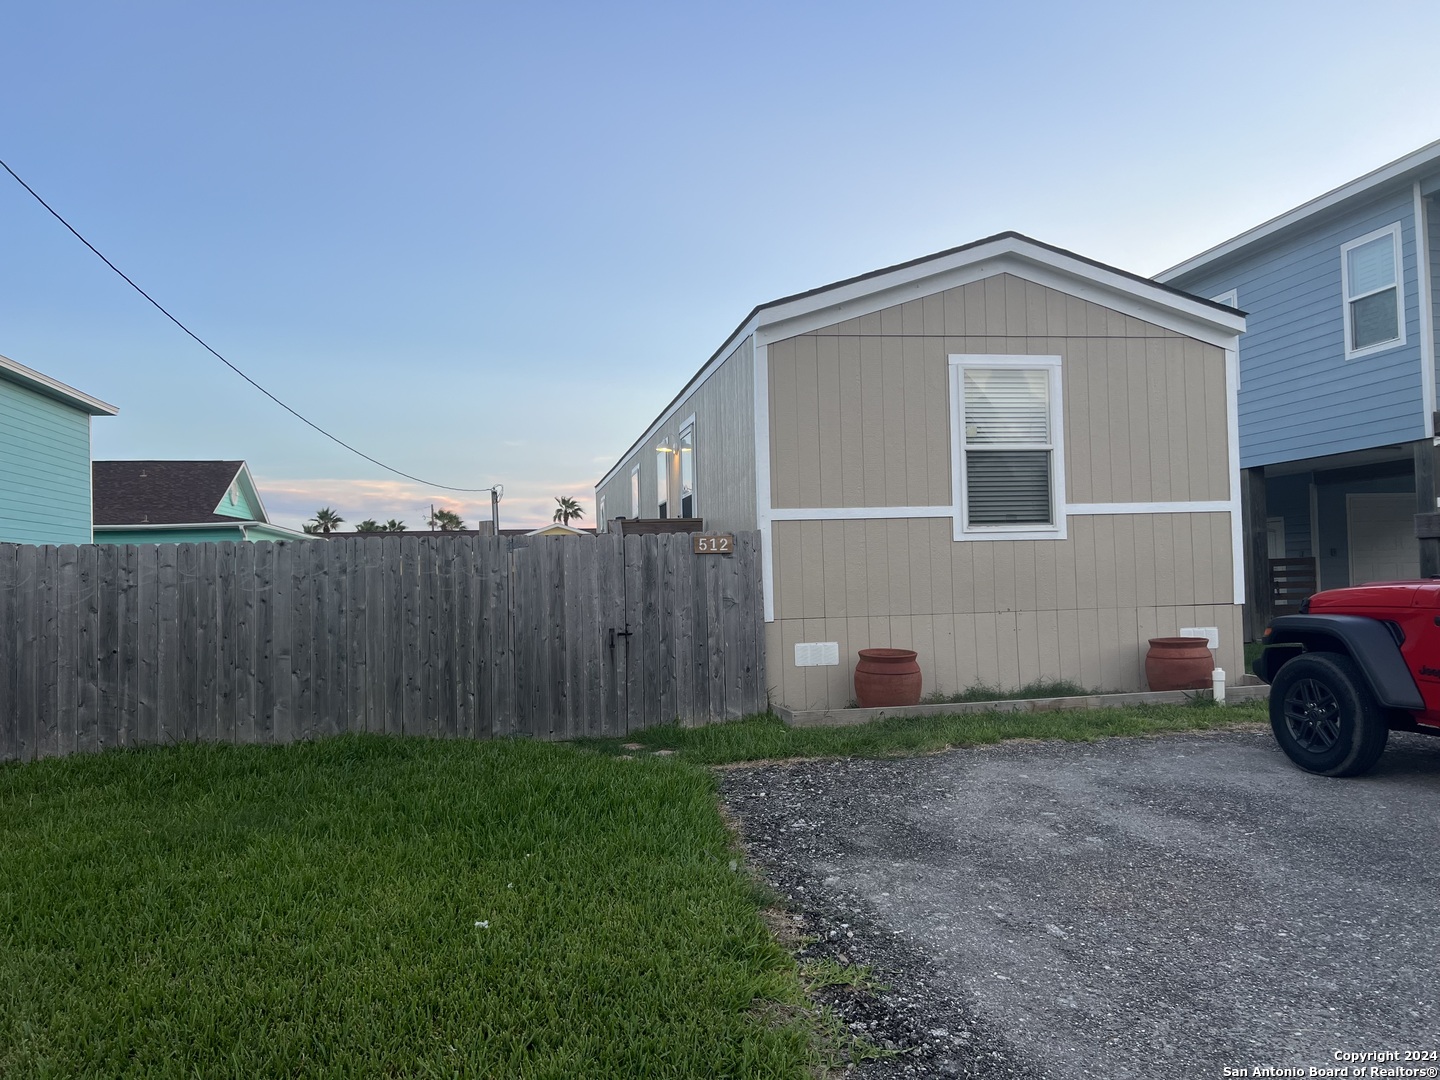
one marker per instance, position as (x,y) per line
(757,738)
(364,906)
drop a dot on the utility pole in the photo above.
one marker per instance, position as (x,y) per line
(495,493)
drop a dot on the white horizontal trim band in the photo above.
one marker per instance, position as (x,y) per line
(851,513)
(1217,506)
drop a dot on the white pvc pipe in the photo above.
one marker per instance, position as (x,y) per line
(1217,684)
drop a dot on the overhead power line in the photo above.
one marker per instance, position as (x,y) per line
(205,345)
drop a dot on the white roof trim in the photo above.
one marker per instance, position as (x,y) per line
(1426,155)
(1006,253)
(55,388)
(557,525)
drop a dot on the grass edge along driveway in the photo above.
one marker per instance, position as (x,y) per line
(377,906)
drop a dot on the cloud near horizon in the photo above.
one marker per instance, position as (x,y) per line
(292,502)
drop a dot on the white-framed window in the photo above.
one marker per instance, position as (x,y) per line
(1229,299)
(1007,447)
(635,491)
(663,453)
(603,524)
(687,469)
(1372,281)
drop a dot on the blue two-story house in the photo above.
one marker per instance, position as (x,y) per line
(1337,382)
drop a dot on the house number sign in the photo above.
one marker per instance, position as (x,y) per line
(717,544)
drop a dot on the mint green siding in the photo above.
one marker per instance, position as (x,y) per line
(242,508)
(169,536)
(44,469)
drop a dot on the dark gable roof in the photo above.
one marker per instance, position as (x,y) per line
(160,492)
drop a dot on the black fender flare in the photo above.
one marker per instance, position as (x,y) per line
(1368,641)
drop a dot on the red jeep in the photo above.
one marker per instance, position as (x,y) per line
(1353,665)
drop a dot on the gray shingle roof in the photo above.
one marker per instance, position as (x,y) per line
(160,492)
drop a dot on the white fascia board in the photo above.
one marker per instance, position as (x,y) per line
(727,350)
(54,388)
(1163,308)
(1426,155)
(251,491)
(763,510)
(1425,299)
(858,513)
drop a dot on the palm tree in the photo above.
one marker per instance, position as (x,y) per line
(445,520)
(567,509)
(325,520)
(369,525)
(393,526)
(311,528)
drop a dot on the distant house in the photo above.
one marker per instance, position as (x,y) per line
(44,458)
(1337,380)
(180,502)
(1014,460)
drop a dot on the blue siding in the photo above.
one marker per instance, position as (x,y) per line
(44,469)
(1299,396)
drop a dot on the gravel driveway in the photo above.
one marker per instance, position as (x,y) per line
(1161,907)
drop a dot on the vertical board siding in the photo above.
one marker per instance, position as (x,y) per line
(456,637)
(999,613)
(860,411)
(724,410)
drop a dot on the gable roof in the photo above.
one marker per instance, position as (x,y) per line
(11,371)
(167,492)
(1404,168)
(1007,252)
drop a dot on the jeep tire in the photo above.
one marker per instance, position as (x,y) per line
(1324,716)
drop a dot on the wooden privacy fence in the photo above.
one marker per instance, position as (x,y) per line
(462,636)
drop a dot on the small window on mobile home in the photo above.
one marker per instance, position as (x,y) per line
(1008,446)
(1371,276)
(687,471)
(601,525)
(663,453)
(635,492)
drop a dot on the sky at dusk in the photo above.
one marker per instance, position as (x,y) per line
(487,243)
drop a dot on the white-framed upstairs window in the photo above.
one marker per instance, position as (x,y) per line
(687,469)
(1007,447)
(635,491)
(1373,283)
(1229,299)
(603,524)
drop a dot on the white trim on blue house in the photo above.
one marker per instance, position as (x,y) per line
(1424,290)
(1426,156)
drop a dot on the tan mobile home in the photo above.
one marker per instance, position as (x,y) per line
(1017,461)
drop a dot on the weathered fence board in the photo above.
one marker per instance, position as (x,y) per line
(469,637)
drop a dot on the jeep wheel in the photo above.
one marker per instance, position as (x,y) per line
(1324,716)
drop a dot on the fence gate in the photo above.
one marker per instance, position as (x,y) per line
(628,632)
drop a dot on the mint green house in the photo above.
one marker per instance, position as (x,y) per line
(44,458)
(180,502)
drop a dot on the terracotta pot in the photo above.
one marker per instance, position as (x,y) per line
(1179,663)
(887,677)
